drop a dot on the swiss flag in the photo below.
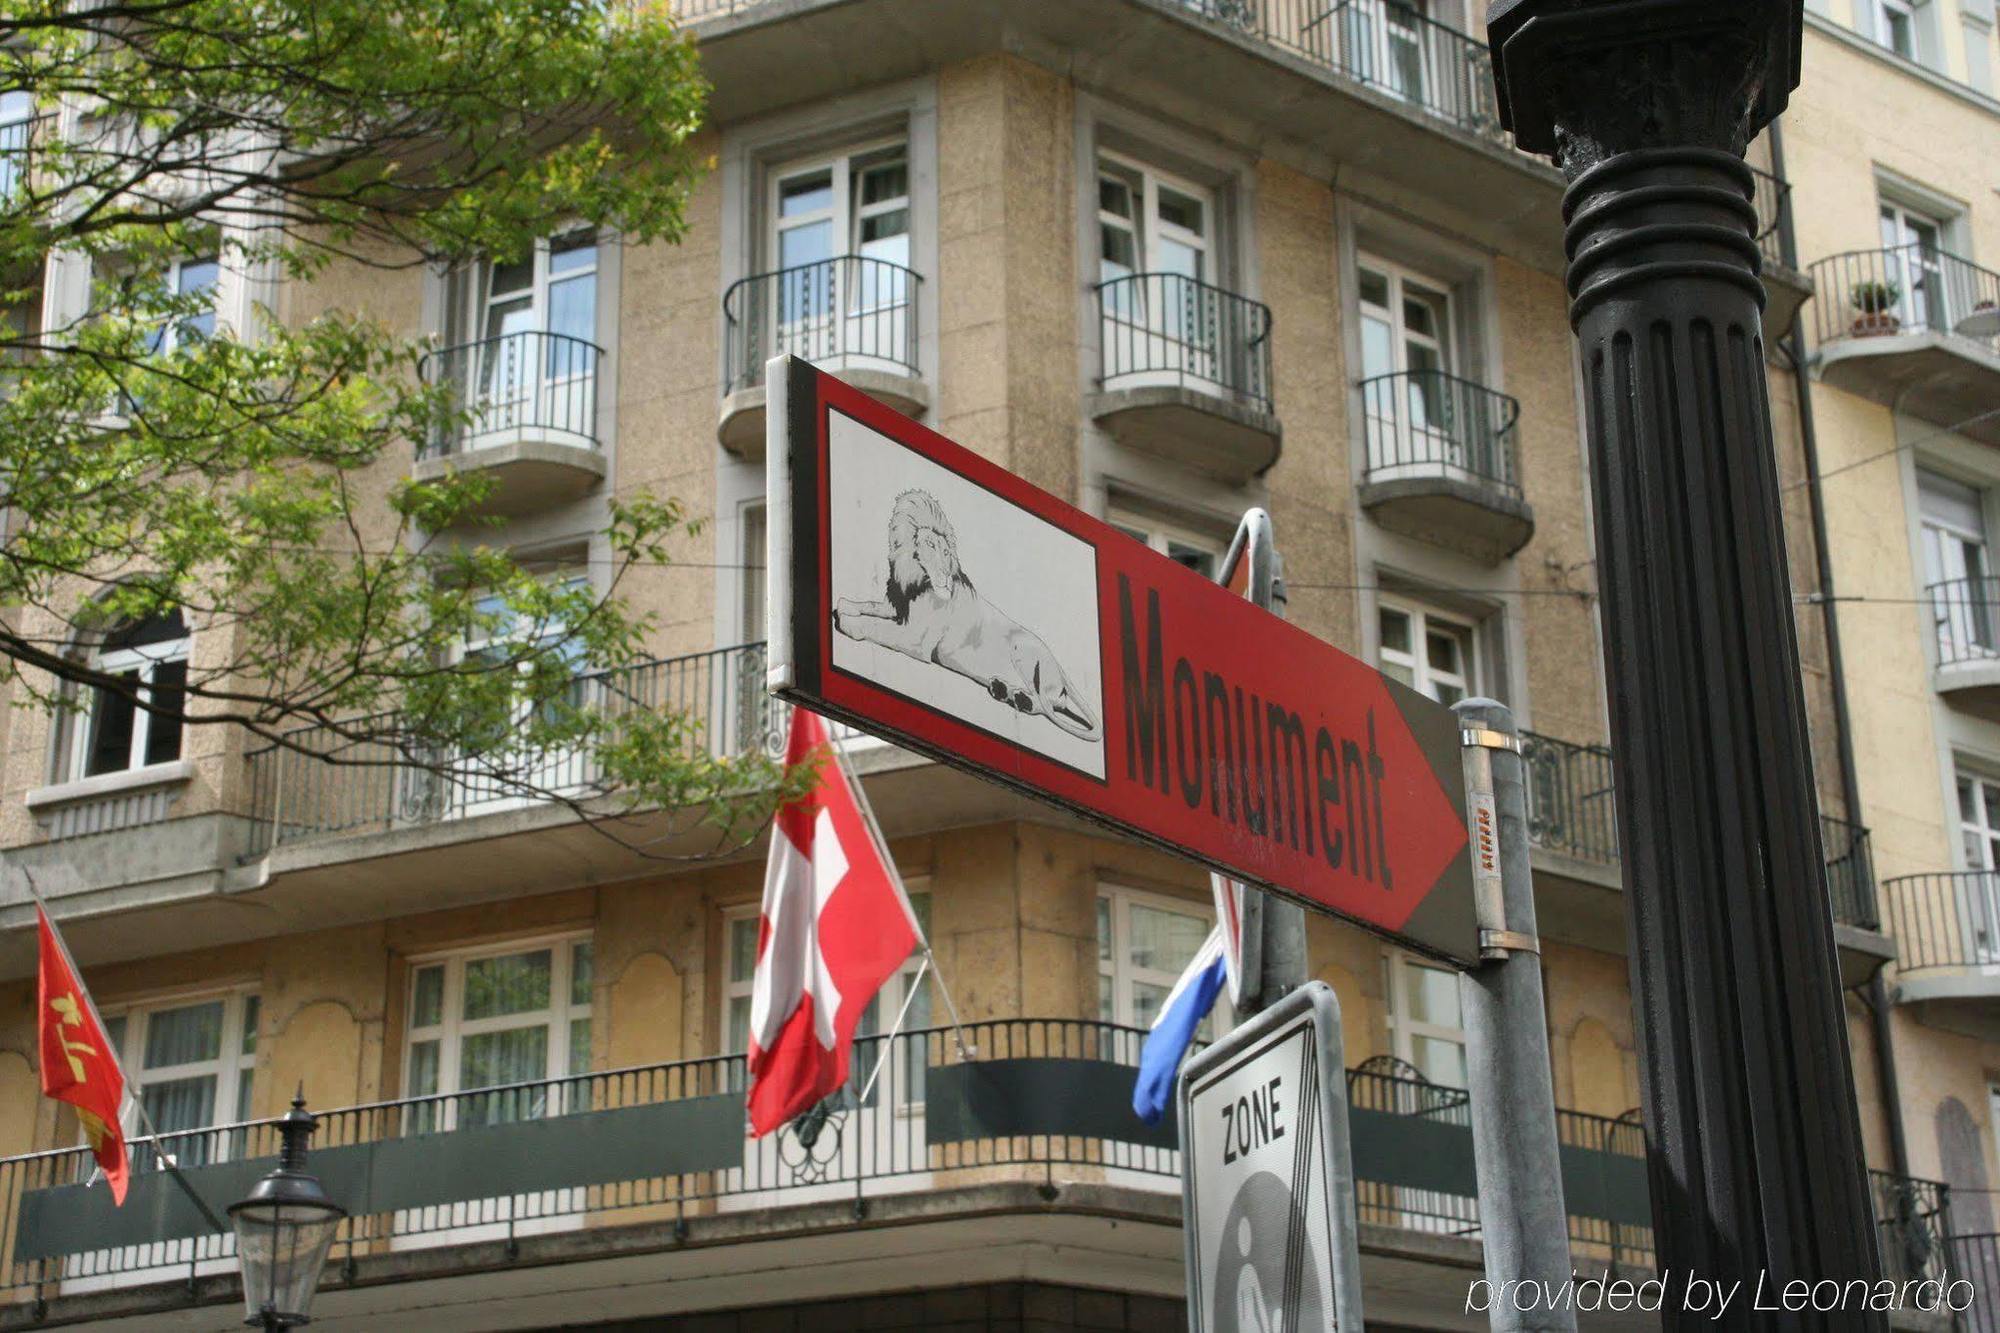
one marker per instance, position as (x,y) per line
(836,925)
(78,1064)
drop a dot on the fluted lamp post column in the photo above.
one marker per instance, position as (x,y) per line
(1753,1137)
(284,1230)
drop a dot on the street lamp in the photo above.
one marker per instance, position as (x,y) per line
(283,1231)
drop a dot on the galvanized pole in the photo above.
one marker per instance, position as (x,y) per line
(1522,1221)
(1274,930)
(1753,1140)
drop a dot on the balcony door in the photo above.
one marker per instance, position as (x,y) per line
(1914,240)
(536,360)
(496,1036)
(840,244)
(1163,315)
(1957,571)
(1419,418)
(1978,907)
(1427,1034)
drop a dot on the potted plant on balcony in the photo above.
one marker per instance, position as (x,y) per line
(1874,303)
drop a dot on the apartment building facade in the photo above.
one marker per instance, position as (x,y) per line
(1167,259)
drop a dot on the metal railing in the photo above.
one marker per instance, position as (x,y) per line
(528,382)
(1045,1102)
(1570,798)
(1904,289)
(1170,329)
(1850,872)
(1965,619)
(1948,920)
(1771,195)
(365,776)
(849,309)
(1425,423)
(1572,795)
(1912,1225)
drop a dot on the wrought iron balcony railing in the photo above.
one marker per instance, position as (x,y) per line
(1572,810)
(850,310)
(1965,619)
(365,777)
(1772,198)
(1425,423)
(1164,328)
(1046,1103)
(1906,289)
(526,383)
(1945,921)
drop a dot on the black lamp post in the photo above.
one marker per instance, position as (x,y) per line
(1755,1145)
(283,1231)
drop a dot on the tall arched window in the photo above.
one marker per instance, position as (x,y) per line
(140,724)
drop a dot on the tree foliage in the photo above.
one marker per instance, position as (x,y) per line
(252,471)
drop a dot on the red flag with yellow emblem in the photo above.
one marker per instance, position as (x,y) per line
(78,1064)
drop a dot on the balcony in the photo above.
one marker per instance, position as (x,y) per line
(526,424)
(1441,463)
(1785,288)
(653,1161)
(1914,329)
(1184,374)
(1948,937)
(852,316)
(1963,630)
(1573,825)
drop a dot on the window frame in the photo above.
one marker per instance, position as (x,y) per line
(844,210)
(1163,535)
(1422,674)
(1404,1029)
(1149,229)
(451,1029)
(242,1013)
(1398,276)
(1124,974)
(172,331)
(146,660)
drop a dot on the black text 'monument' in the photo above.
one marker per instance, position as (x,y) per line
(1244,759)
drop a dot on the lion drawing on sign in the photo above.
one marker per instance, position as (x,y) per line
(933,613)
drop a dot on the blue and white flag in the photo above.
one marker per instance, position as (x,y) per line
(1173,1031)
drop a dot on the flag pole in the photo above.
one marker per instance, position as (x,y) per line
(889,1042)
(138,1104)
(966,1050)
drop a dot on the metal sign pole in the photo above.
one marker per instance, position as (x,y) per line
(1521,1215)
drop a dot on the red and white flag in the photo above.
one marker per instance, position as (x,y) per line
(836,925)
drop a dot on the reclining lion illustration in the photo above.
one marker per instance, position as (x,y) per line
(933,613)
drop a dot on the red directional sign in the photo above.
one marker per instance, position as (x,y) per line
(924,594)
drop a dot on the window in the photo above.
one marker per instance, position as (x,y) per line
(514,1019)
(1182,545)
(189,278)
(1895,25)
(119,730)
(1149,222)
(840,241)
(1162,312)
(1144,942)
(1979,837)
(535,363)
(1426,1025)
(751,555)
(1978,51)
(191,1065)
(1955,567)
(1390,44)
(1912,241)
(17,127)
(740,928)
(1418,414)
(1430,652)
